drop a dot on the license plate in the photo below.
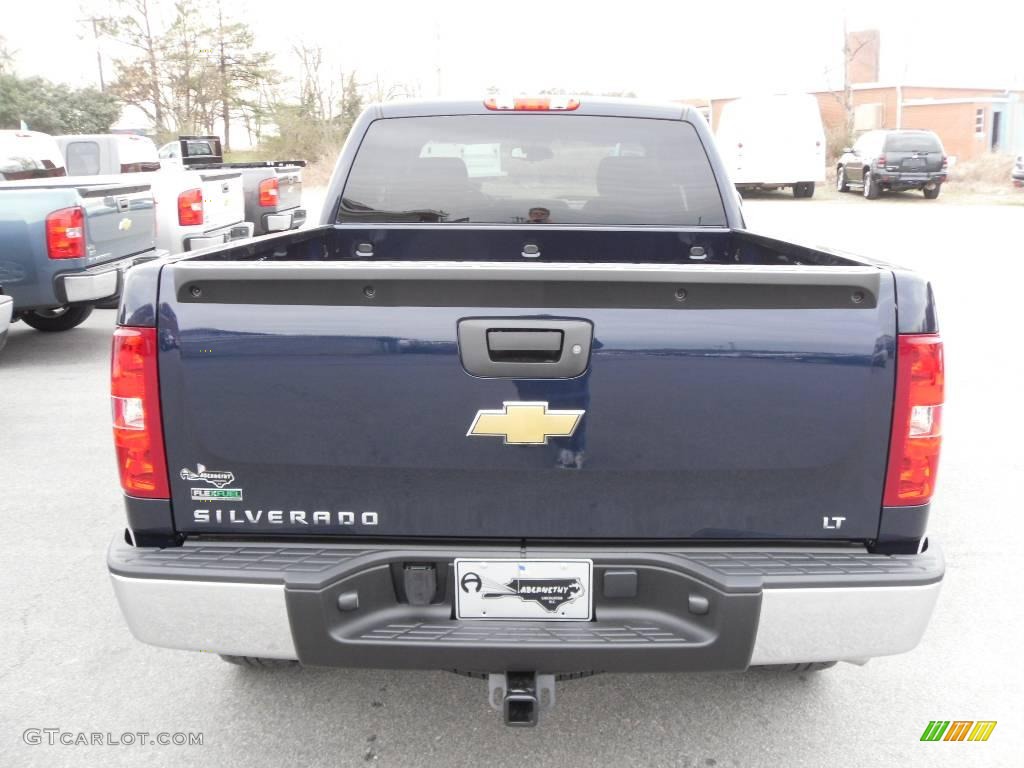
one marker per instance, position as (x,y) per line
(546,590)
(914,162)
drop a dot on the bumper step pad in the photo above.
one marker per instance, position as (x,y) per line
(478,633)
(689,608)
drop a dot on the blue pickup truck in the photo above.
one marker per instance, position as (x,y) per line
(65,242)
(529,403)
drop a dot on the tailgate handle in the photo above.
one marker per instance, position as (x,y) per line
(539,346)
(525,348)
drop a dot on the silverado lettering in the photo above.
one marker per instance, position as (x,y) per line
(282,517)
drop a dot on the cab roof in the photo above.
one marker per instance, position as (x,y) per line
(588,105)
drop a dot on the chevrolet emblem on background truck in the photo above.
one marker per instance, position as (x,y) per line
(525,423)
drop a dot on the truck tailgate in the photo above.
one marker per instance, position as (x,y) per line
(289,190)
(119,221)
(719,402)
(223,199)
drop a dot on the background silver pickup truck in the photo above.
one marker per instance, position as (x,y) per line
(273,188)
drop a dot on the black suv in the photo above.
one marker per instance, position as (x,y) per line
(893,160)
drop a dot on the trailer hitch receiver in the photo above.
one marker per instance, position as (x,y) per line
(521,696)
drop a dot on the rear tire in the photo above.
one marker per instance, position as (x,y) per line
(60,319)
(255,662)
(931,194)
(870,187)
(807,666)
(842,185)
(803,189)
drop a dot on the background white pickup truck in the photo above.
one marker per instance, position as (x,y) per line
(194,208)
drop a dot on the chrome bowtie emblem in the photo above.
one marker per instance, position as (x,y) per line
(520,423)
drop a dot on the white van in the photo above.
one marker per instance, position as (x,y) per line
(767,142)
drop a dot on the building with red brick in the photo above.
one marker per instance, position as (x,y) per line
(971,122)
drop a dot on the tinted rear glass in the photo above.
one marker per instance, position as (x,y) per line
(137,154)
(83,158)
(29,157)
(912,142)
(532,169)
(199,149)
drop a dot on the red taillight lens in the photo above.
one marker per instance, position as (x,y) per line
(945,162)
(268,193)
(880,162)
(532,104)
(135,408)
(916,422)
(65,233)
(190,207)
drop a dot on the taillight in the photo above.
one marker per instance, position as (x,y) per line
(190,207)
(268,193)
(880,162)
(945,163)
(135,408)
(65,233)
(916,421)
(532,104)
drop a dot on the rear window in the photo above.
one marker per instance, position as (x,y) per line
(200,148)
(29,156)
(138,155)
(83,158)
(912,142)
(21,168)
(532,169)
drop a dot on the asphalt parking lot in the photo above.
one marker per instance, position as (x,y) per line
(70,663)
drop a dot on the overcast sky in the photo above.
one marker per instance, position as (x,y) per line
(660,49)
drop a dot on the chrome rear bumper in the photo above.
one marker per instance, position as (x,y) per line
(284,601)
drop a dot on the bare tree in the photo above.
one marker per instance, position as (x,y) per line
(351,100)
(133,23)
(845,96)
(316,86)
(222,69)
(380,91)
(242,71)
(6,57)
(188,69)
